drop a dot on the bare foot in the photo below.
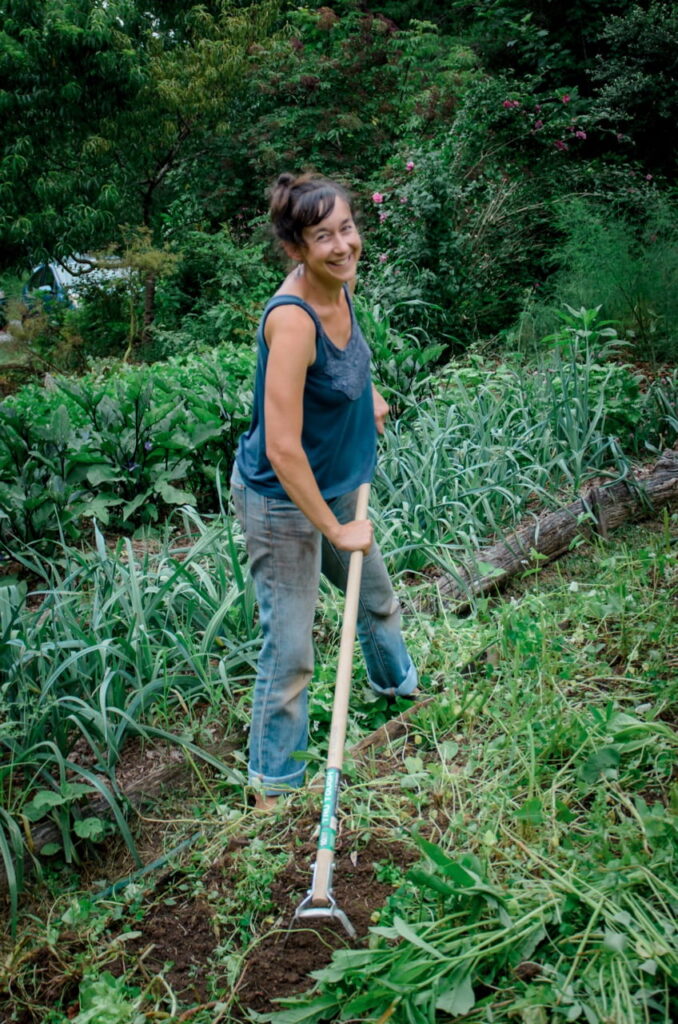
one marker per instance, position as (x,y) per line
(262,802)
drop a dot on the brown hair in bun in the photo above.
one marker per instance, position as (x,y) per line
(300,202)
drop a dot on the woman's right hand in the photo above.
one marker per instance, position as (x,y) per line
(354,536)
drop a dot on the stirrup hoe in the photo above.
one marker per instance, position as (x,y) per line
(319,901)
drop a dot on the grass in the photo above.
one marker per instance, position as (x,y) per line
(539,796)
(552,804)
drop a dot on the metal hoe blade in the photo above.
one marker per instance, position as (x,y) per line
(333,910)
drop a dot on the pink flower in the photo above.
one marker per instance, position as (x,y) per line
(648,177)
(559,144)
(566,98)
(580,135)
(537,108)
(377,197)
(409,166)
(403,199)
(383,216)
(383,257)
(538,124)
(510,104)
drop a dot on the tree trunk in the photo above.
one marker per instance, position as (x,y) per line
(149,308)
(599,511)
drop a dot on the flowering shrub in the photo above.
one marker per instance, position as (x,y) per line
(466,224)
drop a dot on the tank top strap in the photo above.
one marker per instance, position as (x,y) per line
(290,300)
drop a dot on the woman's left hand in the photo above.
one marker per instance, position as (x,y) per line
(381,410)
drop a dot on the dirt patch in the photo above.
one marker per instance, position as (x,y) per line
(282,962)
(178,936)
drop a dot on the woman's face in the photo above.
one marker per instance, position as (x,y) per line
(331,249)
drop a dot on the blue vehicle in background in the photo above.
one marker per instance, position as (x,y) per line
(52,285)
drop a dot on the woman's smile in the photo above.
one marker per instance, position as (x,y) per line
(334,244)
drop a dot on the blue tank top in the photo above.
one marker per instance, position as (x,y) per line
(338,432)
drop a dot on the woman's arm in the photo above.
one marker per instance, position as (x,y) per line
(381,410)
(291,340)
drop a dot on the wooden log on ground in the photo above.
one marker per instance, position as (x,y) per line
(598,512)
(135,793)
(399,724)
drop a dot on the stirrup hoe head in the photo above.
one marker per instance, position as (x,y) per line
(306,910)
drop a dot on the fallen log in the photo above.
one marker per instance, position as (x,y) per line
(398,725)
(134,794)
(597,513)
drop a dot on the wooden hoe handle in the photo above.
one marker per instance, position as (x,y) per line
(322,876)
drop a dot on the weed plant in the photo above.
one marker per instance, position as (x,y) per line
(538,794)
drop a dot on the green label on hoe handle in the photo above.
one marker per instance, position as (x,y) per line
(328,817)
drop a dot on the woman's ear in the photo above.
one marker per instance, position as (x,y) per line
(295,252)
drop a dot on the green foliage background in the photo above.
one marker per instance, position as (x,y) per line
(513,166)
(526,127)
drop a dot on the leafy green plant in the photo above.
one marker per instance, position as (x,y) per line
(127,447)
(108,1000)
(403,362)
(628,264)
(216,294)
(660,421)
(473,936)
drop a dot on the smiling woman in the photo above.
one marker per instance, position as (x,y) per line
(311,443)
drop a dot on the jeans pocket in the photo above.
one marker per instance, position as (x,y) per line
(237,482)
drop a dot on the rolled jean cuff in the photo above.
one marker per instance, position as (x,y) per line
(277,786)
(409,683)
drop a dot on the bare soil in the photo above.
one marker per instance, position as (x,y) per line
(178,937)
(281,964)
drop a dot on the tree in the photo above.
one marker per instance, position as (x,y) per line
(336,90)
(553,42)
(101,102)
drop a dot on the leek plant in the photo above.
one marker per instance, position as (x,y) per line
(92,657)
(462,466)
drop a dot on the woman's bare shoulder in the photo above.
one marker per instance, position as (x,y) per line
(290,322)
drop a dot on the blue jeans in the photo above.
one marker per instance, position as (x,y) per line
(287,554)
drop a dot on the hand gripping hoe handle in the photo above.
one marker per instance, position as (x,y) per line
(320,900)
